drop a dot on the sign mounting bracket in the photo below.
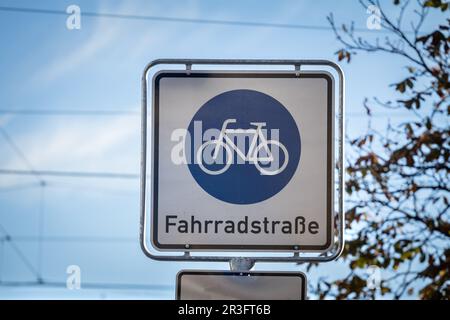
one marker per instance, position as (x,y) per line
(297,69)
(241,264)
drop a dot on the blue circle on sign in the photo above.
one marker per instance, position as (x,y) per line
(244,146)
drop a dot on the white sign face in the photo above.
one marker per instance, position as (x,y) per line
(242,161)
(250,285)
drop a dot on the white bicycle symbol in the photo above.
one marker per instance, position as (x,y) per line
(251,156)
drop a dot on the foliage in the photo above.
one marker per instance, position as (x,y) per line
(397,180)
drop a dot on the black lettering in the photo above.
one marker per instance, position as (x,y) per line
(216,224)
(168,223)
(313,227)
(274,223)
(287,227)
(299,225)
(244,226)
(266,222)
(195,222)
(206,225)
(229,228)
(256,227)
(183,226)
(243,223)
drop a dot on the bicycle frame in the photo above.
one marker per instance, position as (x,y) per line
(252,151)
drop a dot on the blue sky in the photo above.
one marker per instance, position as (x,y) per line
(94,223)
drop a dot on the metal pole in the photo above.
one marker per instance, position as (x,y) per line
(241,264)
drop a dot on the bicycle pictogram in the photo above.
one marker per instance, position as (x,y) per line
(260,151)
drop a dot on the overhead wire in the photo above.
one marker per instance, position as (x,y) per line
(71,174)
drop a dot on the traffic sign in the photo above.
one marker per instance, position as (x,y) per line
(242,160)
(235,285)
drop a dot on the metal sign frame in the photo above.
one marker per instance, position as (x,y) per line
(181,273)
(238,262)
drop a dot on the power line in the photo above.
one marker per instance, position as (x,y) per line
(71,174)
(19,152)
(88,285)
(93,239)
(21,255)
(50,112)
(185,20)
(41,212)
(60,184)
(20,187)
(94,188)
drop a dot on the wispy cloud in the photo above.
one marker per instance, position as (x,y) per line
(104,34)
(96,144)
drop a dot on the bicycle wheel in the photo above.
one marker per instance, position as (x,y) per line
(228,157)
(268,171)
